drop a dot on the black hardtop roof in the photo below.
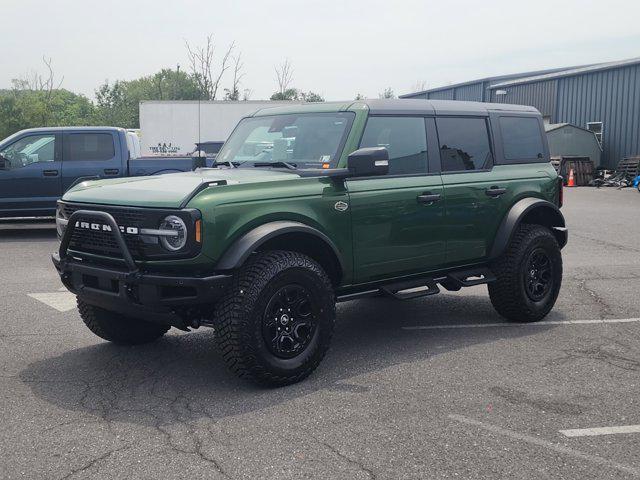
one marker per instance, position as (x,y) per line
(400,107)
(441,107)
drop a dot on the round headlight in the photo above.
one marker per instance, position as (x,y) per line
(175,241)
(61,221)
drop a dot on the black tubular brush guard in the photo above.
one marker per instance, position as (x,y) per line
(131,291)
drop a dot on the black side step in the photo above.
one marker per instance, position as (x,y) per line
(411,289)
(470,278)
(422,287)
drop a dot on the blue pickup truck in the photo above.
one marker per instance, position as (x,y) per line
(38,165)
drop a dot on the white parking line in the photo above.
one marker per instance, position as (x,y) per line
(515,324)
(60,301)
(591,432)
(547,444)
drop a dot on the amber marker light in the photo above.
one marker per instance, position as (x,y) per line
(199,231)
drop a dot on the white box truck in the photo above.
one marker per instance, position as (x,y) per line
(174,127)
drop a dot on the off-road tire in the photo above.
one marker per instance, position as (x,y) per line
(509,292)
(239,317)
(118,328)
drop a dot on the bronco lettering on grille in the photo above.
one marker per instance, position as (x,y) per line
(101,227)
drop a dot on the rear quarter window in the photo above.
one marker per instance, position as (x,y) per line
(90,147)
(521,139)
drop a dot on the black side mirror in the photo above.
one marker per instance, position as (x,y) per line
(4,163)
(198,162)
(368,162)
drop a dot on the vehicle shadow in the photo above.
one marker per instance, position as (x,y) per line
(27,230)
(182,378)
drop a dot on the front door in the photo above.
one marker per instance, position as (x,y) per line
(397,219)
(30,181)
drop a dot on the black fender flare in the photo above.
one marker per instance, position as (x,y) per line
(248,243)
(553,219)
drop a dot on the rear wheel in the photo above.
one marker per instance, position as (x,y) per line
(118,328)
(529,275)
(275,323)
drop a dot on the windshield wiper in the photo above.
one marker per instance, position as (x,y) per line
(290,166)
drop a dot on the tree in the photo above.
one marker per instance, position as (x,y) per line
(359,96)
(20,109)
(37,100)
(203,68)
(233,93)
(284,77)
(387,93)
(44,85)
(288,94)
(115,107)
(118,103)
(419,86)
(311,97)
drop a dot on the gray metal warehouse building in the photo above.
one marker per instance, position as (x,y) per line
(604,98)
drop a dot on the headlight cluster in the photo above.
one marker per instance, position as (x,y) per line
(61,221)
(148,233)
(173,241)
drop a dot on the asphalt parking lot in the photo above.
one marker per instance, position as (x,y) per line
(438,387)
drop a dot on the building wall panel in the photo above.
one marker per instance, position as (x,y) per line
(611,97)
(541,95)
(442,94)
(471,92)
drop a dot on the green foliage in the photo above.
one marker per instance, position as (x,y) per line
(311,97)
(295,94)
(32,104)
(387,93)
(21,109)
(288,94)
(118,103)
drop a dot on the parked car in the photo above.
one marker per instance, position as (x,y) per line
(38,165)
(315,204)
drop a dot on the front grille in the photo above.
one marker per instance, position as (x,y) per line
(104,243)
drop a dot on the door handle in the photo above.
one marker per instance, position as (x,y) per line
(111,171)
(428,198)
(495,191)
(50,173)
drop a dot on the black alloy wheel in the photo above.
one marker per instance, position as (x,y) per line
(538,274)
(289,322)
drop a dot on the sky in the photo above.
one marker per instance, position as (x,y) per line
(337,48)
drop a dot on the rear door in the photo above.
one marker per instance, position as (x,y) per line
(30,183)
(474,190)
(89,155)
(397,219)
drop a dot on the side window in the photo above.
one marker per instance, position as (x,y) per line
(404,137)
(90,146)
(464,144)
(521,139)
(30,149)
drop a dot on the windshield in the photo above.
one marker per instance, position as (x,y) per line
(311,140)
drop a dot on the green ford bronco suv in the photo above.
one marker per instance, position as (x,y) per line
(314,204)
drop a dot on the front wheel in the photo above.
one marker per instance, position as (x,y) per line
(275,323)
(529,275)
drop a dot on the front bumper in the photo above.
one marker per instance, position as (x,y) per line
(128,290)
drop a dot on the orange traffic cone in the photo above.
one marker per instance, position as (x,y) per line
(572,180)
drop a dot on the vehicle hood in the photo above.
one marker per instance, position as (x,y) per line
(165,191)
